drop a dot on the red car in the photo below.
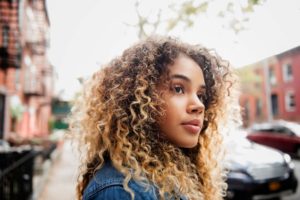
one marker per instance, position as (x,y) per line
(282,135)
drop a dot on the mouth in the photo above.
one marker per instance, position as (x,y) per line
(193,126)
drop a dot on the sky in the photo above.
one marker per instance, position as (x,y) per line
(84,34)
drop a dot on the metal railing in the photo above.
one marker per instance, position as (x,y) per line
(16,174)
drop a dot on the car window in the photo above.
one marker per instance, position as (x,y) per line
(295,128)
(266,130)
(286,128)
(285,131)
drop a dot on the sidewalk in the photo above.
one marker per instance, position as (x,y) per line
(61,180)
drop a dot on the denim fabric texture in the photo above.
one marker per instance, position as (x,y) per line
(107,184)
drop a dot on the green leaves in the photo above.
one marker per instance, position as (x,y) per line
(235,14)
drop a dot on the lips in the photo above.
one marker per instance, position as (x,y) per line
(193,126)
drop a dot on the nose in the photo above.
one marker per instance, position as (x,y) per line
(195,105)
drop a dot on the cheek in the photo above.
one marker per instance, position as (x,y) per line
(162,118)
(172,110)
(175,106)
(170,119)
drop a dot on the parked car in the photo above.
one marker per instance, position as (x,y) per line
(257,171)
(282,135)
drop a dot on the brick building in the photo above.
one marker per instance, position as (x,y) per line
(26,76)
(270,88)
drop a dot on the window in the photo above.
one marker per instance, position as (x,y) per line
(274,104)
(290,103)
(287,72)
(272,77)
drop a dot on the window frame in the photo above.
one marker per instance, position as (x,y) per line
(287,77)
(287,101)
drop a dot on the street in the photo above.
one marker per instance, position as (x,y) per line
(62,178)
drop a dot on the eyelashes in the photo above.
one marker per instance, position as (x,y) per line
(202,98)
(179,89)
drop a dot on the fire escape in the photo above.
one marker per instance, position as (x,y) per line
(35,44)
(10,49)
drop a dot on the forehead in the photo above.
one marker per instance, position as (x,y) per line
(184,65)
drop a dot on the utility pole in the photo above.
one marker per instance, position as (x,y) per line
(268,90)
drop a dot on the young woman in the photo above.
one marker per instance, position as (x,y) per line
(150,124)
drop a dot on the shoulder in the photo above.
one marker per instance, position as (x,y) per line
(108,184)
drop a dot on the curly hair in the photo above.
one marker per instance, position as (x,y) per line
(115,117)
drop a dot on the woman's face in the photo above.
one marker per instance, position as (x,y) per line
(183,120)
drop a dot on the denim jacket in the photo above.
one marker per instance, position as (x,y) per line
(107,184)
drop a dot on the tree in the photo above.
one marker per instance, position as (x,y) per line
(250,80)
(234,14)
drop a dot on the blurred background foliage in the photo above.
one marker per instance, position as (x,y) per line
(234,14)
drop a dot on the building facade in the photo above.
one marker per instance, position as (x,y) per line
(277,88)
(26,76)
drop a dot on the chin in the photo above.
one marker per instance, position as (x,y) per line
(189,145)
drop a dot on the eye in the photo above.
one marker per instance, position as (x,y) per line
(202,97)
(178,89)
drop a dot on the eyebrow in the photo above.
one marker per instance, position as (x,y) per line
(179,76)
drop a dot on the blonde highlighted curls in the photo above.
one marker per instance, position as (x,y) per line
(115,118)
